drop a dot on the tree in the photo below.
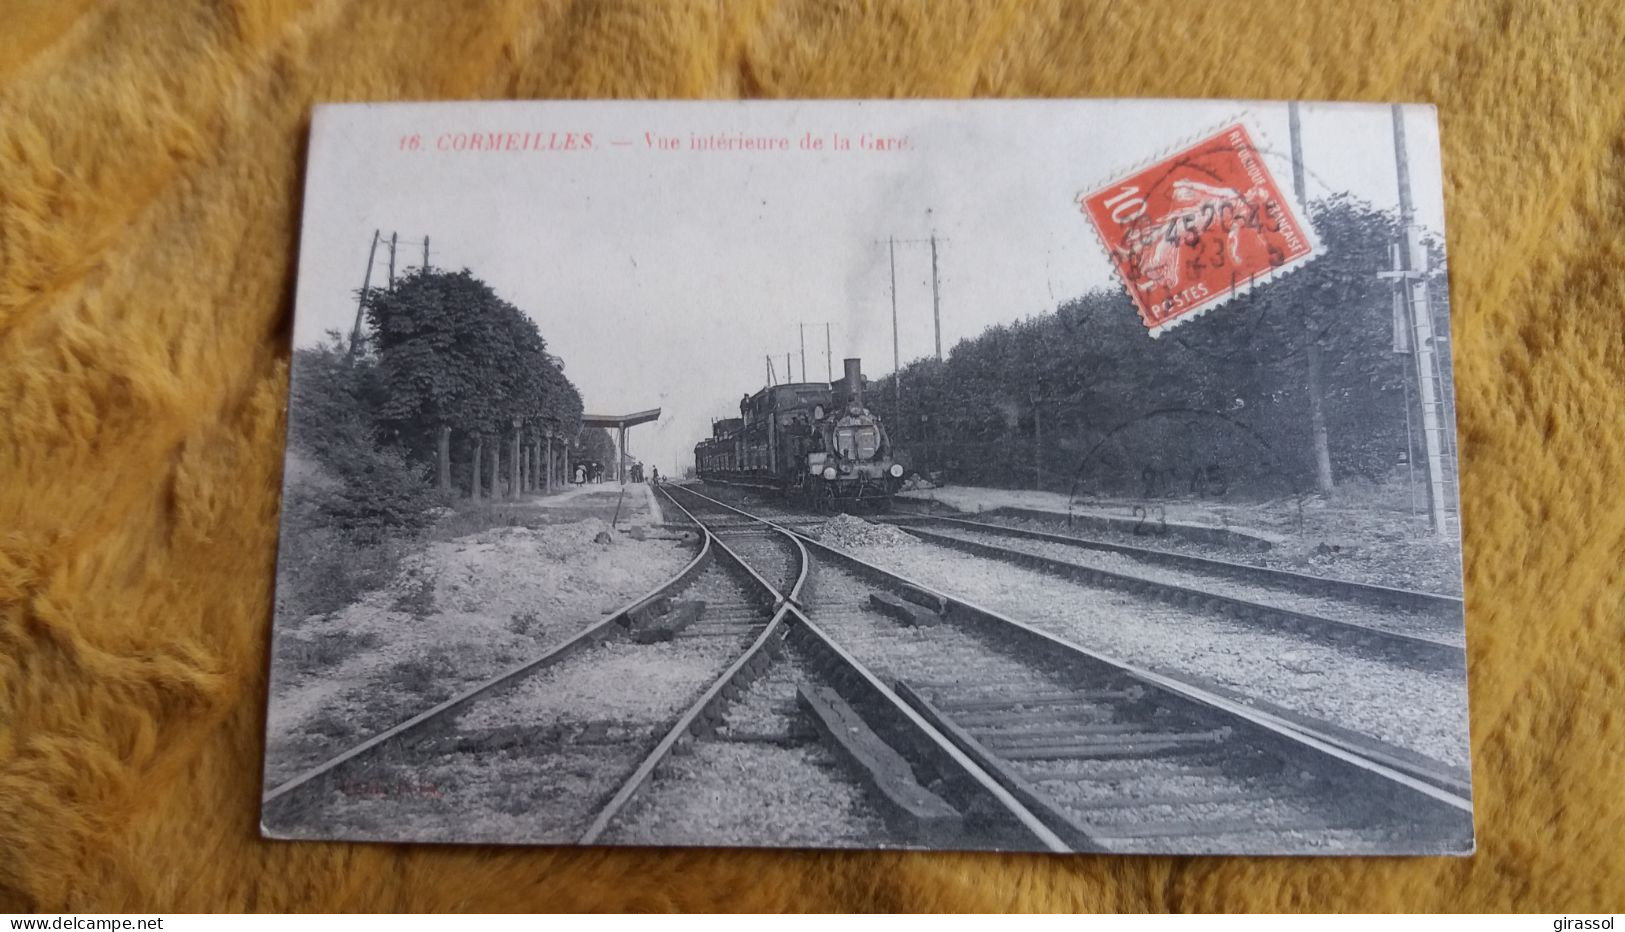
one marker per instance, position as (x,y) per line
(454,356)
(1081,396)
(442,344)
(557,411)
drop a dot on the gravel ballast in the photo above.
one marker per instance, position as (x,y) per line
(1112,797)
(730,793)
(762,779)
(1398,620)
(535,761)
(458,612)
(1422,711)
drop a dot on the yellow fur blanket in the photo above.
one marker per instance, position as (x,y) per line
(150,175)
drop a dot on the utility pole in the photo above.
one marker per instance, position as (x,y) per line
(425,254)
(829,359)
(1317,404)
(770,369)
(1038,448)
(896,360)
(1036,392)
(936,297)
(361,302)
(789,373)
(1410,282)
(803,329)
(392,238)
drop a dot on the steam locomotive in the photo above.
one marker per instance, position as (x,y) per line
(812,440)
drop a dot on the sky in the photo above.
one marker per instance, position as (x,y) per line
(665,277)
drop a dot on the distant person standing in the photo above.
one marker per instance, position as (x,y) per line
(654,475)
(581,474)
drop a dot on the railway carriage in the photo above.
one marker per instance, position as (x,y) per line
(812,440)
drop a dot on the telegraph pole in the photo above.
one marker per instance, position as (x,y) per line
(896,357)
(1038,436)
(1317,404)
(1410,282)
(392,238)
(936,292)
(361,302)
(936,309)
(829,360)
(803,329)
(936,298)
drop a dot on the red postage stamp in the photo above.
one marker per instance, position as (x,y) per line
(1192,230)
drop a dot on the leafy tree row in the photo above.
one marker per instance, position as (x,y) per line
(455,360)
(1081,399)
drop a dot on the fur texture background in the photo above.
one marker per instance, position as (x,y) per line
(150,176)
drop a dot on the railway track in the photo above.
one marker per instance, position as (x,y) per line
(1399,626)
(562,749)
(1113,758)
(906,754)
(528,754)
(1333,726)
(1398,636)
(1445,607)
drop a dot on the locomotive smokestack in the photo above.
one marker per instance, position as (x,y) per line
(854,381)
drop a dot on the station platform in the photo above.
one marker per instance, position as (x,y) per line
(623,506)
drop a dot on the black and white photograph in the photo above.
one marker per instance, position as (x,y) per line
(1066,476)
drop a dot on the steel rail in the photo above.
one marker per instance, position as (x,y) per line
(1457,780)
(593,634)
(1292,739)
(1410,649)
(1267,722)
(1368,593)
(1445,776)
(1026,818)
(1404,760)
(905,716)
(738,674)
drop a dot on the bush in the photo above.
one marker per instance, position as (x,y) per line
(351,507)
(374,489)
(320,568)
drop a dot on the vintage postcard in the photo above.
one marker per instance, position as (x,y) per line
(1002,475)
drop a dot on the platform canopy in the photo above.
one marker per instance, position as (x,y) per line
(620,422)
